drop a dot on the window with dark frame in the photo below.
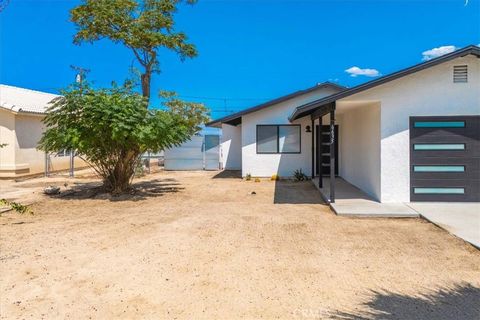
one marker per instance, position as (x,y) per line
(283,138)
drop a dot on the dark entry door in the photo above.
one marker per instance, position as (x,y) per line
(445,158)
(323,151)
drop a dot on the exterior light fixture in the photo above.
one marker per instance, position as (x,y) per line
(308,129)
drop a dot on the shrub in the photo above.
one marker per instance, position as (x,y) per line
(18,207)
(299,175)
(248,177)
(257,180)
(111,128)
(275,177)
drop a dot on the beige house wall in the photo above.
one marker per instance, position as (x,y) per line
(7,136)
(21,133)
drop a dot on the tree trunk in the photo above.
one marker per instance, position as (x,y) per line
(117,183)
(146,77)
(118,180)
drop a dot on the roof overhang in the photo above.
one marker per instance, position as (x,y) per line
(310,108)
(236,118)
(16,110)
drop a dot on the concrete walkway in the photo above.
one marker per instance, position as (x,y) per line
(460,219)
(351,201)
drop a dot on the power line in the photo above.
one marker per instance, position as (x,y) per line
(225,108)
(81,73)
(223,99)
(223,111)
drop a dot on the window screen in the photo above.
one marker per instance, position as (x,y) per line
(289,138)
(267,141)
(278,139)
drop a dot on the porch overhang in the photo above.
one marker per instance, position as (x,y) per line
(323,110)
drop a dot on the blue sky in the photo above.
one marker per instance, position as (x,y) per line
(249,51)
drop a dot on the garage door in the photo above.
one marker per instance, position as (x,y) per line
(445,158)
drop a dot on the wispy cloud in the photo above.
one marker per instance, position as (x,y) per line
(356,71)
(437,52)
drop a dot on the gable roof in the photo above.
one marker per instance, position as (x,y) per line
(21,100)
(308,108)
(235,118)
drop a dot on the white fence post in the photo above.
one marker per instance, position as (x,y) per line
(47,164)
(72,163)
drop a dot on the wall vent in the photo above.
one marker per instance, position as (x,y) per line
(460,74)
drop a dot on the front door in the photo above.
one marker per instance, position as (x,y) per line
(323,151)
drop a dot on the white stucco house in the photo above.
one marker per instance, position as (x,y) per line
(21,127)
(413,135)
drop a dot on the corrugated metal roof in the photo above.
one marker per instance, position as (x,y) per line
(23,100)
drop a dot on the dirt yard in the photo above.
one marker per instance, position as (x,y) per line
(194,246)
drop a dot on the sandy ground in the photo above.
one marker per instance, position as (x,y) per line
(190,246)
(30,190)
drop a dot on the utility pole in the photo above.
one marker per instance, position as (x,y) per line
(81,73)
(79,78)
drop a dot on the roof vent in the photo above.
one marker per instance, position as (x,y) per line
(460,74)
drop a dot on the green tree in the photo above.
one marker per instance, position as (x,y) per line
(144,26)
(111,128)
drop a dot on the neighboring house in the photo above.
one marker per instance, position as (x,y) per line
(413,135)
(21,127)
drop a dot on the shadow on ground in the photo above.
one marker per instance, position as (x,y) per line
(287,191)
(461,302)
(228,174)
(141,190)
